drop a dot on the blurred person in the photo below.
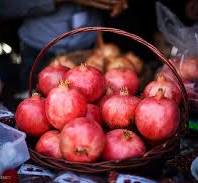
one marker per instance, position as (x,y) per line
(45,19)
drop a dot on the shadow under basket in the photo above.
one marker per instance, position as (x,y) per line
(159,153)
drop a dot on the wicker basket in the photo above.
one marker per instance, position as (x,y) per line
(163,151)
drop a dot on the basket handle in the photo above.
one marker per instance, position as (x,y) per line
(119,32)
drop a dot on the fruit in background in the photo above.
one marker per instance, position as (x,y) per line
(94,113)
(157,118)
(109,50)
(119,110)
(96,60)
(64,61)
(118,78)
(49,144)
(118,63)
(123,144)
(88,80)
(170,89)
(64,104)
(30,116)
(189,69)
(106,49)
(135,60)
(82,140)
(50,77)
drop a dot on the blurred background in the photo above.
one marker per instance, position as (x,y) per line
(26,26)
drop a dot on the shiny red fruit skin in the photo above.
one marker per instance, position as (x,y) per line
(171,90)
(118,78)
(119,111)
(82,140)
(157,119)
(50,77)
(94,113)
(30,116)
(64,104)
(120,146)
(49,144)
(88,80)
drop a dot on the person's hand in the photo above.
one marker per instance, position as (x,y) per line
(115,7)
(119,8)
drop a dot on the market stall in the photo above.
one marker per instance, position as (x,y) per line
(106,113)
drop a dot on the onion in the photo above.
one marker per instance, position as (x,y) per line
(118,111)
(64,104)
(136,61)
(82,140)
(118,78)
(88,80)
(157,118)
(30,116)
(96,60)
(170,89)
(118,63)
(50,77)
(64,61)
(48,144)
(109,50)
(122,144)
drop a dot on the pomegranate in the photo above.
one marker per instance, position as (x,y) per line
(109,93)
(170,89)
(157,118)
(88,80)
(118,111)
(189,69)
(82,140)
(167,73)
(50,77)
(30,116)
(64,104)
(49,144)
(94,113)
(118,78)
(122,144)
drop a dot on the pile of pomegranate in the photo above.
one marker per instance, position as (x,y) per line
(82,115)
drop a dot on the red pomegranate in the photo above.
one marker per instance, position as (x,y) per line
(49,144)
(94,113)
(64,104)
(88,80)
(30,116)
(157,118)
(189,69)
(82,140)
(118,111)
(108,94)
(50,77)
(118,78)
(123,144)
(170,89)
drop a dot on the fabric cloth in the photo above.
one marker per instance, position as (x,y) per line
(43,22)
